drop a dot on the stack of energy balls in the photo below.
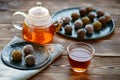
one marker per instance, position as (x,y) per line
(87,21)
(27,53)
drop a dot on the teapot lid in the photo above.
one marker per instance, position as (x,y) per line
(38,11)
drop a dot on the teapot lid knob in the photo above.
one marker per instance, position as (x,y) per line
(39,4)
(39,11)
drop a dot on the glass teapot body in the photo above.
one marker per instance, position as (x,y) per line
(41,34)
(37,25)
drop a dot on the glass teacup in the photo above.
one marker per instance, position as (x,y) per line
(80,55)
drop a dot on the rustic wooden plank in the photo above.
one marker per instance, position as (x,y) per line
(54,6)
(54,76)
(97,70)
(24,5)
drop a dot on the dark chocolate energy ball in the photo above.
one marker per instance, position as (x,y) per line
(30,60)
(28,49)
(78,24)
(91,16)
(68,29)
(89,28)
(82,12)
(81,33)
(108,17)
(99,12)
(66,20)
(103,20)
(89,8)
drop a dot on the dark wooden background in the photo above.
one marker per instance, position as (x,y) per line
(106,63)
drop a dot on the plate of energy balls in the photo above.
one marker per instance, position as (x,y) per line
(84,23)
(25,55)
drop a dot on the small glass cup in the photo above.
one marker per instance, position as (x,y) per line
(80,55)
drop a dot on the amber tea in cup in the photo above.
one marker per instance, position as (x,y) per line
(80,55)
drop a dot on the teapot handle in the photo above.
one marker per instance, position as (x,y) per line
(17,20)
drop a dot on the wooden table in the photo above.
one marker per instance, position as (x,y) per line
(104,67)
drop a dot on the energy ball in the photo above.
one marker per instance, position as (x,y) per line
(68,29)
(97,25)
(82,12)
(103,20)
(28,49)
(89,28)
(91,16)
(74,16)
(81,33)
(16,55)
(108,17)
(78,25)
(99,12)
(85,20)
(30,60)
(89,8)
(57,26)
(66,20)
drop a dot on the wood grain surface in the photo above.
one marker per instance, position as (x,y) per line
(106,63)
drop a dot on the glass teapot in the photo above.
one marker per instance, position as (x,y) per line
(37,25)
